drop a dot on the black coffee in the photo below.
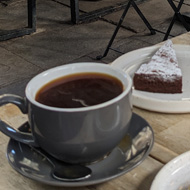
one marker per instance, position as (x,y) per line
(79,90)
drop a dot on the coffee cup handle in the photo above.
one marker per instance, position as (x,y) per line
(21,103)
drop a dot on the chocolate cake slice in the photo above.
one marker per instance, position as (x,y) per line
(162,74)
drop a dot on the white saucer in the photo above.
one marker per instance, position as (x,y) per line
(167,103)
(175,175)
(132,150)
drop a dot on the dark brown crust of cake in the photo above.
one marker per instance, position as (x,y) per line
(153,84)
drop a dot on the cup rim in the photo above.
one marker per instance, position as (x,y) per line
(102,105)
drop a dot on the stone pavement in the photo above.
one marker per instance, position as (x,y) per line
(57,41)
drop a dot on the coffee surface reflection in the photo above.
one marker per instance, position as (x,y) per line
(79,90)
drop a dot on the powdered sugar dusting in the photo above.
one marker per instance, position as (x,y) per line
(163,64)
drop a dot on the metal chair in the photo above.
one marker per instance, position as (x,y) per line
(177,15)
(77,18)
(8,34)
(130,3)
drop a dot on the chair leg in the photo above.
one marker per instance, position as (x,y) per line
(131,2)
(176,15)
(115,32)
(74,4)
(9,34)
(152,31)
(170,27)
(32,14)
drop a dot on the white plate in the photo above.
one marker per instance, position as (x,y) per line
(167,103)
(175,175)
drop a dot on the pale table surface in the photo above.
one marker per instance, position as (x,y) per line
(172,132)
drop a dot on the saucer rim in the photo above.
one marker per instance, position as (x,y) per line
(83,183)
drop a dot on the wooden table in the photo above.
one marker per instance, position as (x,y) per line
(172,132)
